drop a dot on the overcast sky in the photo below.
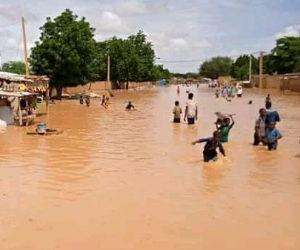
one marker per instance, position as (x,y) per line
(192,30)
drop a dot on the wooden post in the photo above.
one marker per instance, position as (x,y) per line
(261,68)
(25,47)
(47,97)
(108,71)
(20,112)
(250,68)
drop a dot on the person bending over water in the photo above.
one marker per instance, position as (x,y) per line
(272,136)
(224,127)
(210,148)
(129,106)
(191,110)
(177,112)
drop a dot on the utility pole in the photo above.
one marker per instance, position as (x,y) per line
(250,68)
(108,70)
(0,61)
(261,56)
(25,47)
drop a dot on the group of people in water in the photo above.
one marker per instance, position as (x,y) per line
(265,130)
(265,127)
(104,102)
(229,92)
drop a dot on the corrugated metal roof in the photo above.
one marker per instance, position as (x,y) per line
(15,94)
(13,77)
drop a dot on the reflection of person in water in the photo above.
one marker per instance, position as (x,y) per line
(210,148)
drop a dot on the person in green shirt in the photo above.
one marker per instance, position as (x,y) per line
(225,128)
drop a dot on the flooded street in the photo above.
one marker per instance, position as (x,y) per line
(133,181)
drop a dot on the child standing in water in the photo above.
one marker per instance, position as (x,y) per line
(272,136)
(177,112)
(87,101)
(217,93)
(103,100)
(81,99)
(225,128)
(212,143)
(268,101)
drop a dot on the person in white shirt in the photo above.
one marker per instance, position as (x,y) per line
(239,91)
(191,110)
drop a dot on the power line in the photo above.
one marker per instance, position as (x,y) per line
(201,60)
(180,61)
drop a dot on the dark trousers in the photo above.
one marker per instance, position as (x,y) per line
(272,145)
(209,155)
(258,140)
(191,120)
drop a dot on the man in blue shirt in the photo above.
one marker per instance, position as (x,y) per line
(272,136)
(272,115)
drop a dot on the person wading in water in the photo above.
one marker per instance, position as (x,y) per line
(191,110)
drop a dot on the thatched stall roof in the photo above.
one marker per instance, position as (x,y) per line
(32,82)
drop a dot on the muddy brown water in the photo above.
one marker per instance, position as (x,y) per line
(132,180)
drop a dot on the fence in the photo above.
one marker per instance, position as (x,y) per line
(289,82)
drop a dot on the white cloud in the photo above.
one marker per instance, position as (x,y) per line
(111,23)
(12,43)
(179,43)
(293,30)
(201,44)
(131,8)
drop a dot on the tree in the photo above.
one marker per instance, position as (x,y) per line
(240,68)
(158,72)
(192,75)
(269,65)
(16,67)
(132,59)
(286,55)
(215,67)
(66,51)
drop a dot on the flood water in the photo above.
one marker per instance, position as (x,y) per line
(133,181)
